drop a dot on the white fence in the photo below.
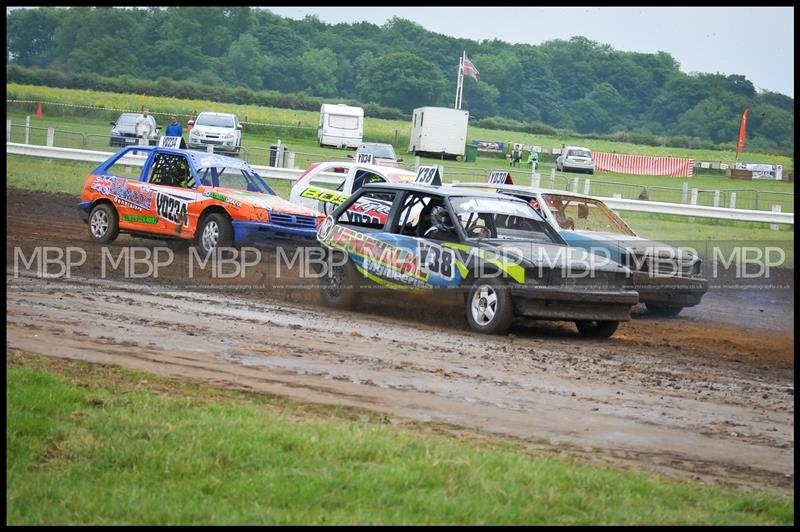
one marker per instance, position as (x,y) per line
(700,211)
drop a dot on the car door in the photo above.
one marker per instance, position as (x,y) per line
(173,185)
(414,232)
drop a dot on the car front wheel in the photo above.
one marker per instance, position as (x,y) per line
(215,231)
(103,223)
(596,329)
(339,286)
(489,308)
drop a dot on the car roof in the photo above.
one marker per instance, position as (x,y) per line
(199,159)
(577,148)
(374,168)
(441,190)
(523,188)
(215,113)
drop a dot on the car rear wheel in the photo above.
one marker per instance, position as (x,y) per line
(103,223)
(340,284)
(663,310)
(215,231)
(596,329)
(489,307)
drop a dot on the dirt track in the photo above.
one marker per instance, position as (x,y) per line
(700,394)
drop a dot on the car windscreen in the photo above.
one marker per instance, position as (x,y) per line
(127,120)
(493,218)
(215,121)
(235,178)
(384,152)
(585,214)
(579,153)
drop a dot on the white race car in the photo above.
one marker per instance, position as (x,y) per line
(324,186)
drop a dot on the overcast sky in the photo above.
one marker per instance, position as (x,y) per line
(757,42)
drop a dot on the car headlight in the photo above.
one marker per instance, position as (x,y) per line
(228,136)
(195,133)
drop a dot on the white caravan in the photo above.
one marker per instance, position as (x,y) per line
(340,125)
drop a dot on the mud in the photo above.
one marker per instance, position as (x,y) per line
(709,394)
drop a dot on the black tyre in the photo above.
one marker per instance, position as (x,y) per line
(489,307)
(215,231)
(103,223)
(340,284)
(663,310)
(597,329)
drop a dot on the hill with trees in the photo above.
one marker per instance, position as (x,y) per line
(576,85)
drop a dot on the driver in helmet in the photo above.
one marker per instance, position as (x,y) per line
(442,227)
(182,175)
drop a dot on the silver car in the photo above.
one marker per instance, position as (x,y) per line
(575,158)
(382,154)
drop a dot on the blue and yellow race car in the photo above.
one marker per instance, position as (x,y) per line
(506,258)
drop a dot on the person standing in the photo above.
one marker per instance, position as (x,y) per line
(145,126)
(533,160)
(174,129)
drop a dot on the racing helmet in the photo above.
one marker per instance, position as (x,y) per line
(182,173)
(441,220)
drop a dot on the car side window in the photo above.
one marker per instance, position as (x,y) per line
(171,170)
(369,211)
(364,177)
(424,216)
(125,169)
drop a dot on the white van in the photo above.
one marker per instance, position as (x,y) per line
(340,125)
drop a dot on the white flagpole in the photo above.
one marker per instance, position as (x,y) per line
(459,83)
(461,90)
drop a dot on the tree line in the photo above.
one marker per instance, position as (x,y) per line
(576,85)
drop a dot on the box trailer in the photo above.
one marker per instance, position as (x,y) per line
(438,131)
(340,125)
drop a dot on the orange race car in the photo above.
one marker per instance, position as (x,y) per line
(213,199)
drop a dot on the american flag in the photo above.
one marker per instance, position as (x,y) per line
(469,69)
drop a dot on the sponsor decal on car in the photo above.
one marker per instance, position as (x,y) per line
(139,218)
(222,197)
(327,196)
(117,188)
(172,208)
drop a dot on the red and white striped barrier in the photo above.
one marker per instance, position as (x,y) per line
(643,164)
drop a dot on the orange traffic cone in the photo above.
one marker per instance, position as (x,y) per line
(39,111)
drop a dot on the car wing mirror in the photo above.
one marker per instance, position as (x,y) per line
(239,127)
(113,123)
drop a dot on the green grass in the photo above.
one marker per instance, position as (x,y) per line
(88,444)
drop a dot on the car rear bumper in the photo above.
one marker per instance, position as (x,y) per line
(575,304)
(578,166)
(83,210)
(244,232)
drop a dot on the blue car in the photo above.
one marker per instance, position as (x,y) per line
(667,278)
(503,256)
